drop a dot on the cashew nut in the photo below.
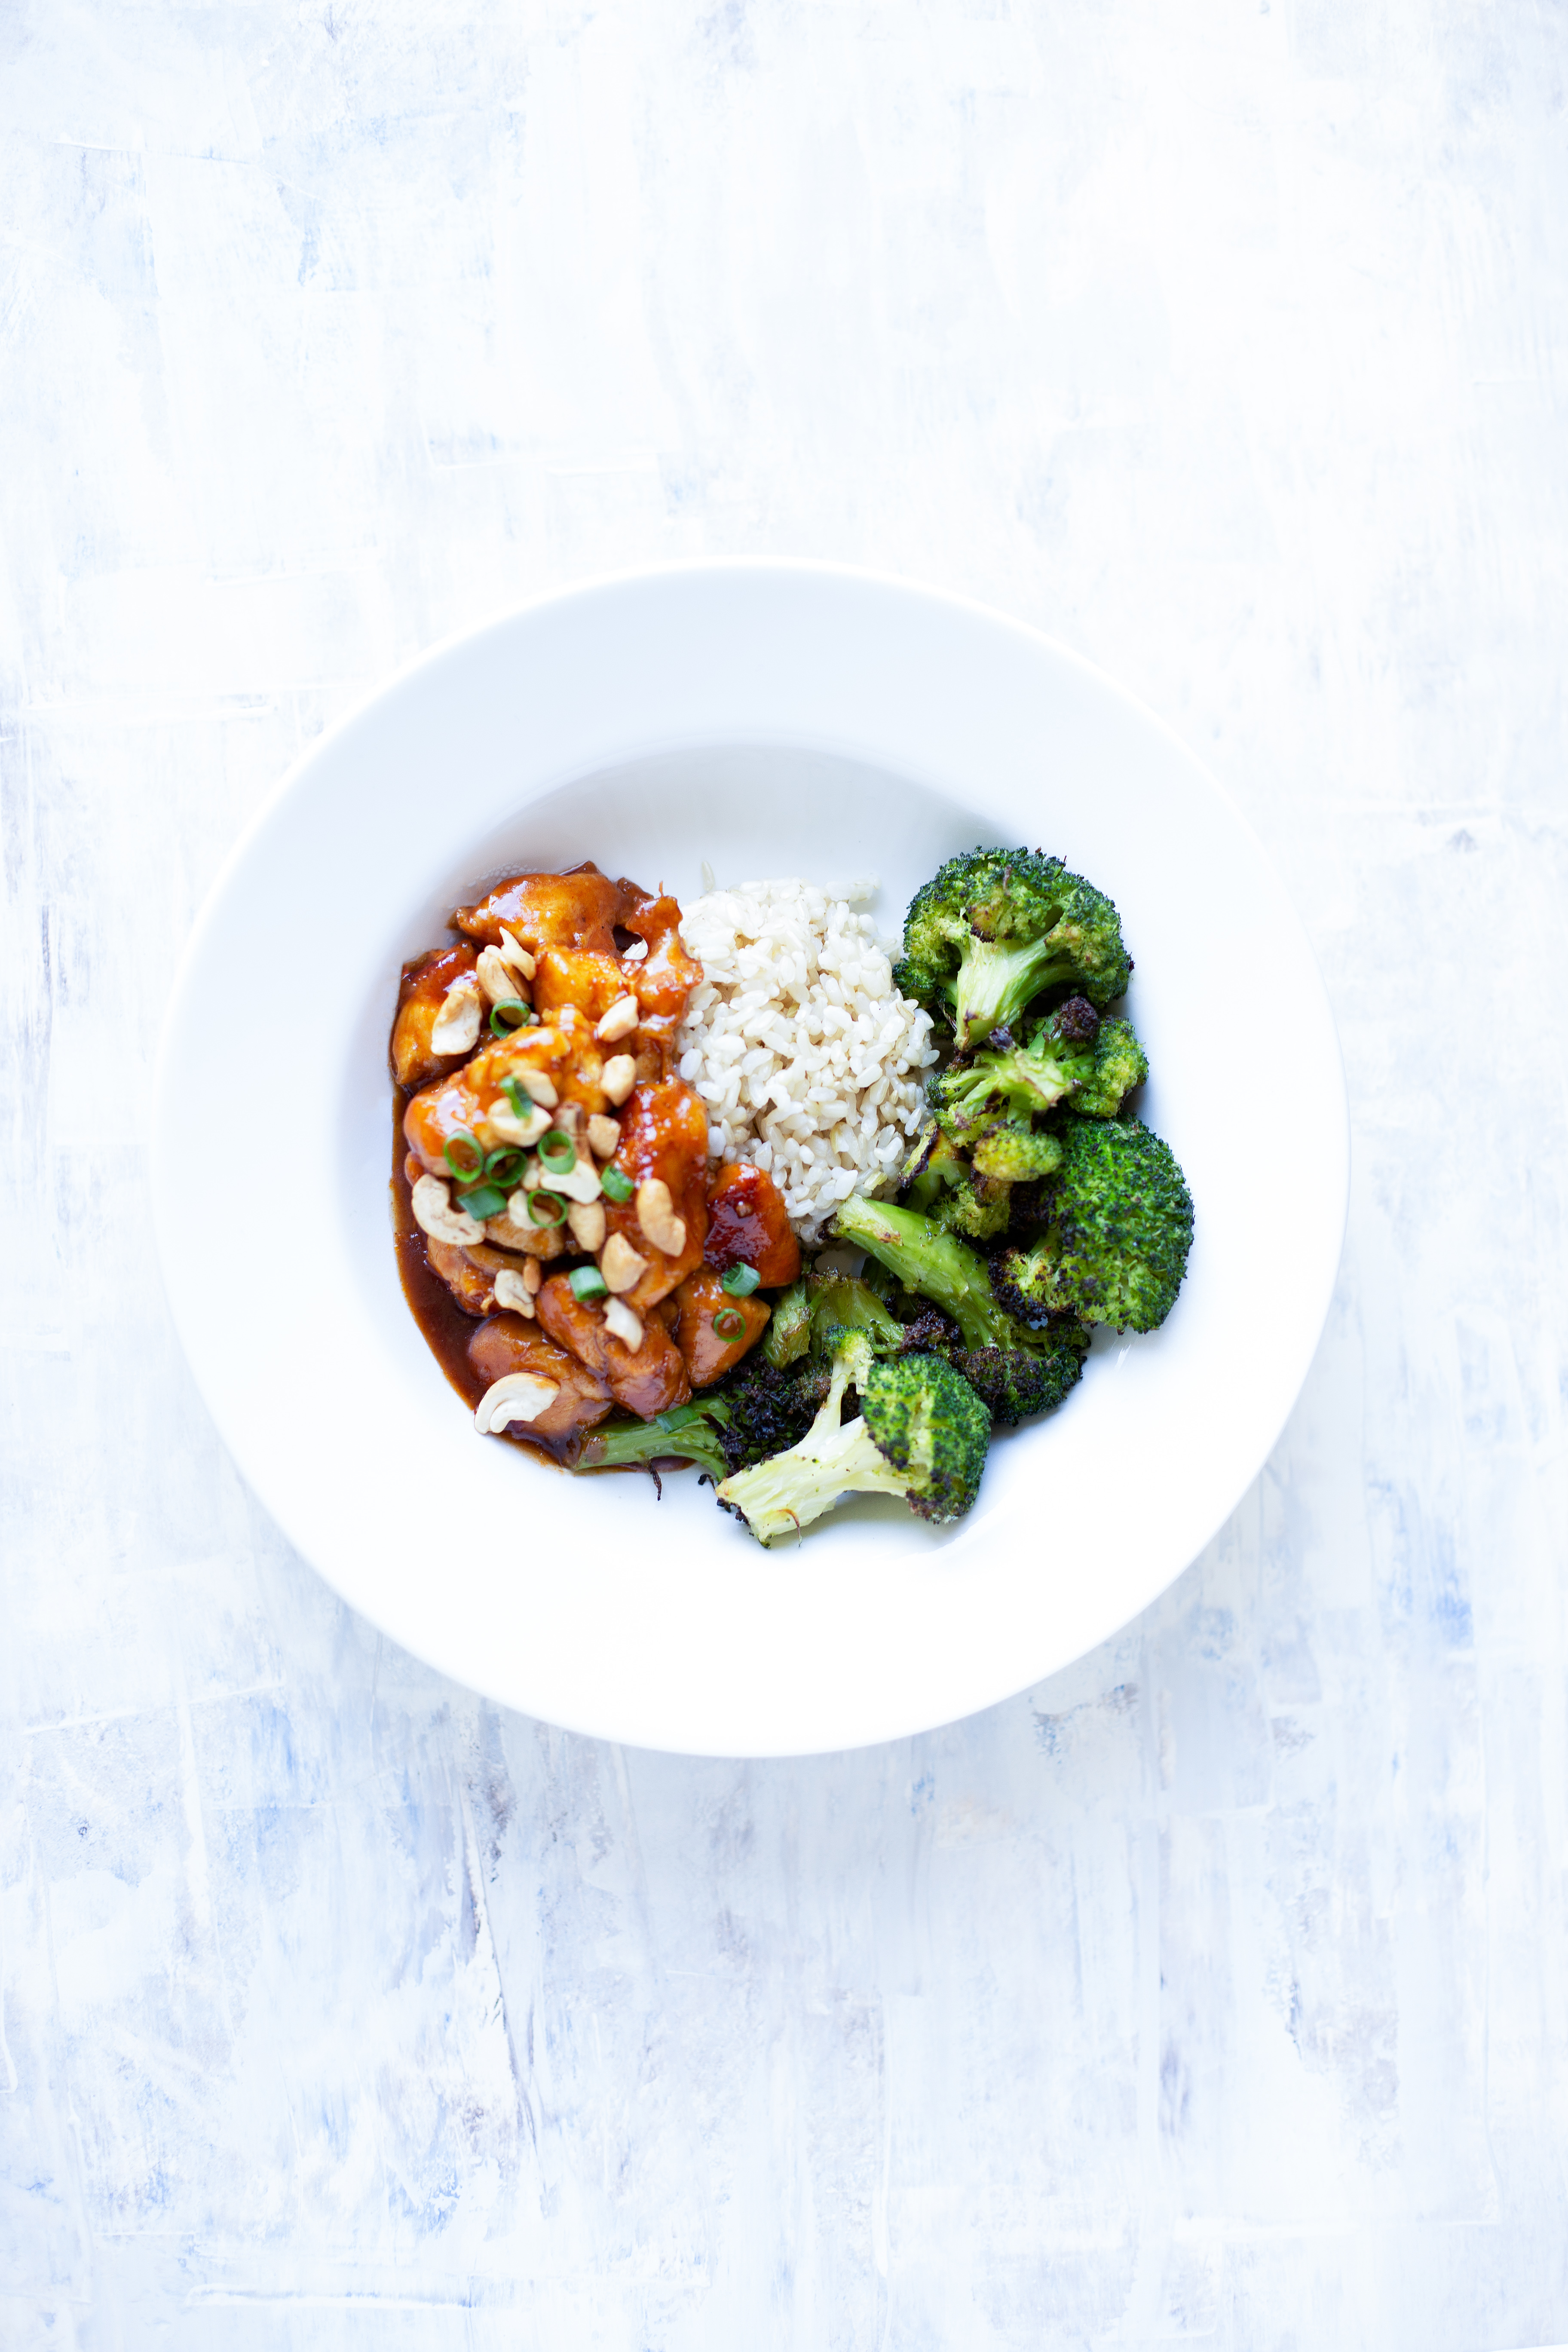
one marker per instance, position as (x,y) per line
(618,1077)
(656,1215)
(533,1275)
(515,953)
(580,1182)
(537,1084)
(587,1219)
(619,1021)
(503,1122)
(496,976)
(512,1290)
(456,1029)
(620,1264)
(604,1136)
(433,1210)
(619,1319)
(516,1396)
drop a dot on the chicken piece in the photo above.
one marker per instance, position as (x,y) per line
(469,1274)
(748,1225)
(662,982)
(580,977)
(579,909)
(652,1380)
(420,996)
(701,1298)
(505,1343)
(664,1133)
(565,1051)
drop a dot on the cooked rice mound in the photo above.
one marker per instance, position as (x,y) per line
(807,1055)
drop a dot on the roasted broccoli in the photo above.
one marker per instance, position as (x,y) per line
(1075,1057)
(1119,1228)
(768,1408)
(994,928)
(1013,1383)
(687,1431)
(941,1185)
(921,1432)
(840,1304)
(932,1261)
(788,1334)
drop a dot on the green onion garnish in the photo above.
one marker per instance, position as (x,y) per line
(537,1202)
(482,1201)
(517,1093)
(510,1013)
(504,1169)
(588,1282)
(557,1152)
(730,1323)
(617,1184)
(740,1281)
(465,1174)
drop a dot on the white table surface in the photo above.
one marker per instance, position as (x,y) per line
(1214,1990)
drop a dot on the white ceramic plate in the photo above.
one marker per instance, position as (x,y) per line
(771,720)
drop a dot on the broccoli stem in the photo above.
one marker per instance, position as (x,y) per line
(686,1433)
(932,1261)
(997,978)
(829,1462)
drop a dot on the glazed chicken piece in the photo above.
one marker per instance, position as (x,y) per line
(747,1225)
(662,982)
(421,998)
(471,1272)
(504,1344)
(715,1330)
(564,1051)
(664,1140)
(651,1380)
(581,977)
(579,909)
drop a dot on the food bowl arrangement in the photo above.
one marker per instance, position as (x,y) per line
(739,722)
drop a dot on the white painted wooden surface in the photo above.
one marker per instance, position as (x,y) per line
(1214,1990)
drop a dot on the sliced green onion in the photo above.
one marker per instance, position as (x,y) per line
(476,1167)
(588,1282)
(557,1152)
(517,1093)
(510,1013)
(539,1201)
(615,1183)
(504,1169)
(730,1323)
(482,1201)
(740,1281)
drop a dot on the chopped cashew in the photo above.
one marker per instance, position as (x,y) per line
(537,1084)
(456,1029)
(512,1290)
(618,1022)
(656,1215)
(533,1275)
(512,948)
(587,1219)
(496,976)
(516,1396)
(620,1264)
(581,1181)
(604,1136)
(433,1210)
(504,1121)
(618,1077)
(619,1319)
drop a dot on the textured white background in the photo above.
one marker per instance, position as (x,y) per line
(1213,1991)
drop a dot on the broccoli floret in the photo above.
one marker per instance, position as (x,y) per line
(933,1263)
(1017,1155)
(942,1185)
(921,1432)
(788,1334)
(1115,1245)
(995,928)
(768,1408)
(691,1430)
(840,1304)
(1013,1383)
(1075,1057)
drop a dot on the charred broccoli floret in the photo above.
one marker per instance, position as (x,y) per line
(921,1433)
(1013,1383)
(942,1185)
(841,1306)
(768,1408)
(934,1264)
(1074,1057)
(994,928)
(788,1335)
(1115,1245)
(688,1431)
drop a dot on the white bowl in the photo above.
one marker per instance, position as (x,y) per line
(779,718)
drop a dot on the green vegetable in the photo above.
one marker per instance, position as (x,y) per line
(541,1201)
(475,1167)
(740,1281)
(511,1012)
(1119,1226)
(995,929)
(588,1283)
(557,1152)
(730,1324)
(788,1335)
(482,1201)
(691,1430)
(517,1093)
(615,1183)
